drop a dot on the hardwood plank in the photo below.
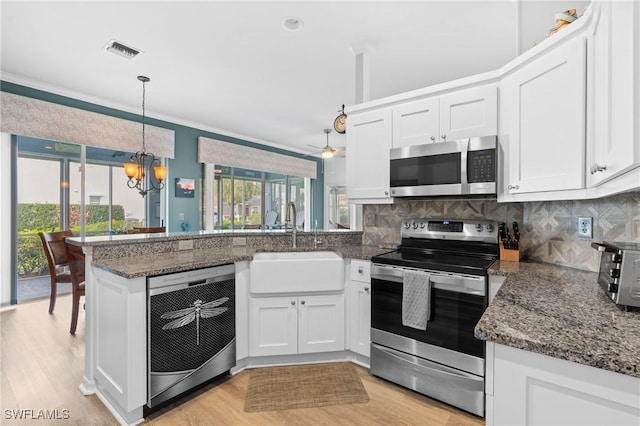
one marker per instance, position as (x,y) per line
(42,365)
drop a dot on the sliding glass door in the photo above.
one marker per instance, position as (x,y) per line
(49,198)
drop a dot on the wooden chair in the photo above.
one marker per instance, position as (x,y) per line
(149,230)
(54,248)
(251,226)
(76,260)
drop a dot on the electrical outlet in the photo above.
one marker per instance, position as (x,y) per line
(180,216)
(585,227)
(185,245)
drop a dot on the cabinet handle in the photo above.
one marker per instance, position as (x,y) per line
(516,187)
(302,302)
(433,138)
(366,289)
(444,137)
(360,270)
(598,168)
(293,303)
(386,192)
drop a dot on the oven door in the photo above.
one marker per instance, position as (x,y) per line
(457,303)
(433,169)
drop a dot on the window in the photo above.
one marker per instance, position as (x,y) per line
(95,200)
(248,199)
(338,208)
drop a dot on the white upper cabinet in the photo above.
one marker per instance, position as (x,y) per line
(369,141)
(469,113)
(457,115)
(416,123)
(568,110)
(543,121)
(613,145)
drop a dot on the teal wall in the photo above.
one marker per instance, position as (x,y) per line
(185,164)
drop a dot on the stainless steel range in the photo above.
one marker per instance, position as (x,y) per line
(426,298)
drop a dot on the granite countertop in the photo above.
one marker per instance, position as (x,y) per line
(563,313)
(167,263)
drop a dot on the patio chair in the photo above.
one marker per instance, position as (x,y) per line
(270,218)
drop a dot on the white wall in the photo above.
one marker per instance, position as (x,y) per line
(5,219)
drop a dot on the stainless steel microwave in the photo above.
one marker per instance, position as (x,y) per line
(459,167)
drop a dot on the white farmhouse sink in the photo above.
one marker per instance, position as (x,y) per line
(296,272)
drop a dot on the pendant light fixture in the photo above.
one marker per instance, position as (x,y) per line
(138,169)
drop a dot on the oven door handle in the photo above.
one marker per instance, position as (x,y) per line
(474,286)
(458,284)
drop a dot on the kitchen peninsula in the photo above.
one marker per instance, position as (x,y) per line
(116,298)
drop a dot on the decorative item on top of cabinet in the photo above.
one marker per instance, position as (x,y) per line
(562,20)
(543,121)
(456,115)
(369,141)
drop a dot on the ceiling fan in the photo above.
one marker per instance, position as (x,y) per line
(328,151)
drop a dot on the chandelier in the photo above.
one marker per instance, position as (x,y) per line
(139,167)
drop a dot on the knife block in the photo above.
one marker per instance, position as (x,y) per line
(509,255)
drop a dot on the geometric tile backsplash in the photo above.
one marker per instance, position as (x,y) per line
(548,228)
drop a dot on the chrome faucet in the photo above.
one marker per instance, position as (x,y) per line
(287,219)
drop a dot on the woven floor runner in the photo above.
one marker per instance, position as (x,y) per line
(302,386)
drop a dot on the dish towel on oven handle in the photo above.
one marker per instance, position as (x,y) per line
(416,299)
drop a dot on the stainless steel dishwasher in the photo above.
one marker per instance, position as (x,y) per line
(190,330)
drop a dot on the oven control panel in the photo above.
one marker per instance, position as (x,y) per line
(464,230)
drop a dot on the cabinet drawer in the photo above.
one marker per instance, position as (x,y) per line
(360,271)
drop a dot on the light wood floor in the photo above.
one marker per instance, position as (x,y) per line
(42,366)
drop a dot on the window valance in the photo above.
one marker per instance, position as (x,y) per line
(213,151)
(46,120)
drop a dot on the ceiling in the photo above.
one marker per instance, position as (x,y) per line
(231,67)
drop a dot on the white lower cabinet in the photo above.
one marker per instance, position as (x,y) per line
(286,325)
(321,323)
(525,388)
(360,307)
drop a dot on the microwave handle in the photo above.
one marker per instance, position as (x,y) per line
(603,248)
(464,150)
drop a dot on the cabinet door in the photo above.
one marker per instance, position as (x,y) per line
(321,323)
(416,123)
(469,113)
(534,389)
(368,141)
(360,320)
(273,328)
(545,102)
(613,53)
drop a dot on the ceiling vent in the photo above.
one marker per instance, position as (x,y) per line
(120,49)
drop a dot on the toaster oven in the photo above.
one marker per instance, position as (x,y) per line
(619,273)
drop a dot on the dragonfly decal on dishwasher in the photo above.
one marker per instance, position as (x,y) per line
(199,310)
